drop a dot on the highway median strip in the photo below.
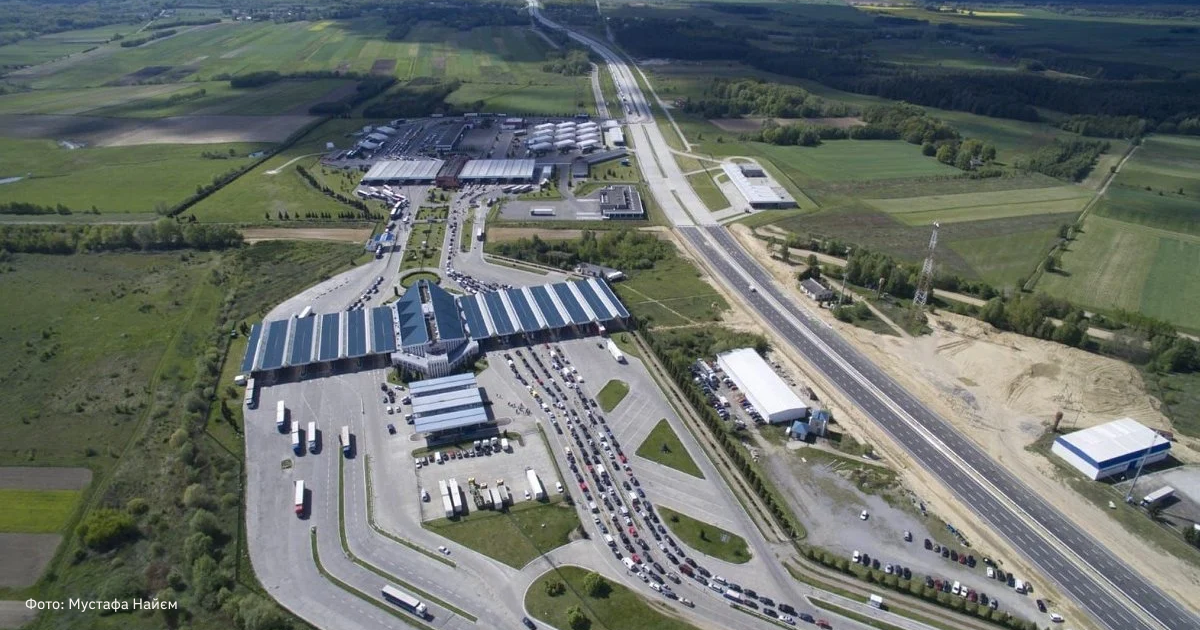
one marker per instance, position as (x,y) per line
(850,614)
(392,610)
(376,570)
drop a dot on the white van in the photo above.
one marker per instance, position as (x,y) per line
(1019,586)
(957,588)
(609,540)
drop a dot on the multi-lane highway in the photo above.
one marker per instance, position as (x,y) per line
(1109,589)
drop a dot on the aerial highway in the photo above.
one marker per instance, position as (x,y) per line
(1034,527)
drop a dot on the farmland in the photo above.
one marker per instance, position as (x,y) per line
(988,205)
(112,179)
(670,294)
(36,511)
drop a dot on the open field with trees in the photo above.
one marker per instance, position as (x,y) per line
(662,445)
(516,536)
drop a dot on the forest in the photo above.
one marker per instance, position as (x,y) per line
(164,234)
(730,98)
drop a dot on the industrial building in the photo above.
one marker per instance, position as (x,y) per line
(815,290)
(621,202)
(428,331)
(498,171)
(755,186)
(401,172)
(1114,448)
(450,137)
(447,176)
(446,406)
(771,397)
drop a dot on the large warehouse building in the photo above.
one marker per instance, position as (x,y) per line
(1113,448)
(450,172)
(773,399)
(447,406)
(753,183)
(430,332)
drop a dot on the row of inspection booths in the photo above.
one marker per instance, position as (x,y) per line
(429,331)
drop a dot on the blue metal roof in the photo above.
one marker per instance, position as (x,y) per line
(452,420)
(612,296)
(495,305)
(546,305)
(356,333)
(475,324)
(574,310)
(413,331)
(302,341)
(529,321)
(383,330)
(593,301)
(432,386)
(251,348)
(331,337)
(445,313)
(276,341)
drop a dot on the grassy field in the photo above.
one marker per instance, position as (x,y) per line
(56,45)
(673,293)
(1113,264)
(618,609)
(1159,186)
(515,537)
(260,197)
(705,538)
(708,191)
(122,180)
(663,446)
(612,394)
(985,205)
(36,511)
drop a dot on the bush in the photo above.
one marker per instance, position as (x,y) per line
(105,529)
(554,588)
(596,585)
(577,620)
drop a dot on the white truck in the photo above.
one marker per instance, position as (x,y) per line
(404,600)
(616,353)
(504,444)
(455,496)
(280,416)
(251,399)
(535,484)
(312,437)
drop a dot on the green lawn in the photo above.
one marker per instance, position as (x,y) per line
(618,609)
(425,241)
(671,293)
(55,45)
(132,179)
(708,191)
(515,537)
(1003,260)
(663,446)
(36,511)
(985,205)
(412,279)
(612,394)
(705,538)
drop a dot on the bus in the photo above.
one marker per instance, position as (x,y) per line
(251,395)
(312,438)
(346,441)
(299,497)
(280,416)
(404,600)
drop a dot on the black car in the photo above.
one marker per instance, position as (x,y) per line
(735,587)
(391,428)
(803,616)
(767,601)
(704,572)
(928,544)
(1041,606)
(770,612)
(528,623)
(907,573)
(750,593)
(658,567)
(875,563)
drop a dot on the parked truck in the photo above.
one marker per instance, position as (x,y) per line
(1158,496)
(616,353)
(280,416)
(299,494)
(297,445)
(404,600)
(535,484)
(251,399)
(312,437)
(345,439)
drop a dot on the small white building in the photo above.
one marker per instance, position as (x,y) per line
(1112,448)
(771,397)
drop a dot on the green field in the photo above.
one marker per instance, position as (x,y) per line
(133,179)
(708,539)
(618,609)
(36,511)
(515,537)
(708,191)
(55,45)
(259,196)
(612,394)
(1004,260)
(1113,264)
(673,293)
(662,445)
(985,205)
(1159,186)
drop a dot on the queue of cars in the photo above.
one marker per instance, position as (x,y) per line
(628,523)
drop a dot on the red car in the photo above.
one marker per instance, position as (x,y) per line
(633,532)
(821,623)
(636,559)
(583,486)
(623,460)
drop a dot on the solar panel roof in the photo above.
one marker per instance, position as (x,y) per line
(356,333)
(445,313)
(529,321)
(276,342)
(331,337)
(302,341)
(475,324)
(500,320)
(602,287)
(383,330)
(546,305)
(574,310)
(412,321)
(593,300)
(252,347)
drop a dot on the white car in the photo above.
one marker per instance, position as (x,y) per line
(655,586)
(443,549)
(864,516)
(787,619)
(1056,618)
(391,411)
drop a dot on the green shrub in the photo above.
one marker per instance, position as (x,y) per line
(104,529)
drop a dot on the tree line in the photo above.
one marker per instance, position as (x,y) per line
(418,97)
(623,249)
(138,41)
(463,16)
(357,204)
(572,63)
(366,90)
(163,234)
(1065,159)
(734,98)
